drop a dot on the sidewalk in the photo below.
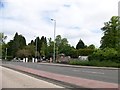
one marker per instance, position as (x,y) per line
(76,66)
(81,82)
(15,79)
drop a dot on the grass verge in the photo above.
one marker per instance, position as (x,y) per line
(95,63)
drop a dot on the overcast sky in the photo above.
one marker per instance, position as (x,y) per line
(76,19)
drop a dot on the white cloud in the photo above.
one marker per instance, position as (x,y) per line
(75,18)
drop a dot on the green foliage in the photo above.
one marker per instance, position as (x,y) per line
(43,48)
(107,54)
(23,53)
(91,46)
(2,38)
(111,38)
(18,48)
(16,44)
(31,49)
(2,45)
(50,48)
(62,45)
(38,44)
(85,52)
(80,45)
(95,63)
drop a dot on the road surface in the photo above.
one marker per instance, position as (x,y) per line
(14,79)
(94,74)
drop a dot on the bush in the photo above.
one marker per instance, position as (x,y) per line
(85,52)
(108,54)
(95,63)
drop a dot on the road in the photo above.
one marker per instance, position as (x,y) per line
(14,79)
(94,74)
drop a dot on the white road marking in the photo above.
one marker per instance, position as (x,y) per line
(93,72)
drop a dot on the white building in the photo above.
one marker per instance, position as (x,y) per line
(83,58)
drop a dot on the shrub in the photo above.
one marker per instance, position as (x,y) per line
(95,63)
(109,54)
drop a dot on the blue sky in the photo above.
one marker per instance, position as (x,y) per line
(76,19)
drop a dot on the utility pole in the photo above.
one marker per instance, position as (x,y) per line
(6,54)
(54,39)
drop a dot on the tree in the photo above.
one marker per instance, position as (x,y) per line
(91,46)
(42,51)
(23,53)
(2,38)
(61,44)
(43,46)
(111,30)
(31,49)
(38,44)
(16,44)
(50,48)
(106,54)
(80,45)
(2,44)
(31,43)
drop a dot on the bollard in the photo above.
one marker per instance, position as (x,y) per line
(36,60)
(26,60)
(33,60)
(23,59)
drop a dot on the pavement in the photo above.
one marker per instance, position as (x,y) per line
(15,79)
(0,77)
(77,81)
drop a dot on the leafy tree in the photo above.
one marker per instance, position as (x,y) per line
(85,52)
(64,41)
(50,48)
(44,48)
(23,53)
(31,49)
(31,43)
(38,44)
(58,40)
(2,44)
(106,54)
(61,44)
(2,38)
(16,44)
(91,46)
(80,45)
(111,38)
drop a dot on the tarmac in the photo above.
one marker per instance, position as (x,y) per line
(76,66)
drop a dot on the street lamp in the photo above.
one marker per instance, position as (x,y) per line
(6,54)
(54,38)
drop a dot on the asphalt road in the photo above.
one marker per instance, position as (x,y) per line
(94,74)
(15,79)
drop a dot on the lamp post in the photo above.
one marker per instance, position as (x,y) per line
(6,54)
(54,39)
